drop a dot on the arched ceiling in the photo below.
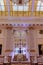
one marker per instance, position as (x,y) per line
(21,7)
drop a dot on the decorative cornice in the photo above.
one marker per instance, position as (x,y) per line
(22,26)
(22,18)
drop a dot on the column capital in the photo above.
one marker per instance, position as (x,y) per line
(31,28)
(9,27)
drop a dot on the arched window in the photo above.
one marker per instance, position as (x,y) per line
(23,5)
(39,5)
(20,50)
(2,7)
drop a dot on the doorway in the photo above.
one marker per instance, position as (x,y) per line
(0,49)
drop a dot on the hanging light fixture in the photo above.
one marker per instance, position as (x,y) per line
(20,1)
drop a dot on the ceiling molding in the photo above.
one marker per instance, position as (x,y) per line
(19,20)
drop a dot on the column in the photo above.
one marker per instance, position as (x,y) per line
(28,44)
(9,41)
(33,5)
(33,55)
(8,6)
(33,1)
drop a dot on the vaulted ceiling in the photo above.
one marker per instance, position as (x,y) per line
(21,7)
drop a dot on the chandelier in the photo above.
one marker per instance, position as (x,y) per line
(20,1)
